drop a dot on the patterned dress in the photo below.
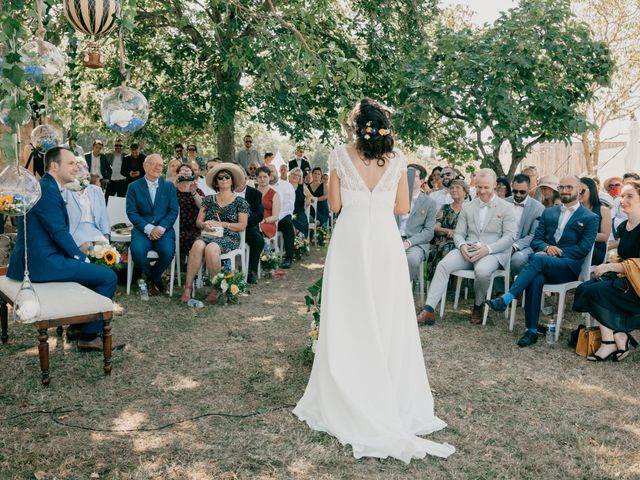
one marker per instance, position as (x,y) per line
(230,240)
(188,214)
(442,244)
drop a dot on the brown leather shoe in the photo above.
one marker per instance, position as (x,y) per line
(426,318)
(476,314)
(94,345)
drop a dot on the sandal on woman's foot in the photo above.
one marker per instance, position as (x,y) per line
(622,354)
(212,297)
(186,293)
(612,356)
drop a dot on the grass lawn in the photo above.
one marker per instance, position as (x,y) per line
(535,413)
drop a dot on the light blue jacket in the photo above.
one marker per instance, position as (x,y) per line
(98,209)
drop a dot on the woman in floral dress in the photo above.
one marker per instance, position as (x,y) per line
(225,211)
(190,199)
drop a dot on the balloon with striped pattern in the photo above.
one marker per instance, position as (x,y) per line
(92,17)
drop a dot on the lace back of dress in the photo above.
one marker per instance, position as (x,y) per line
(350,179)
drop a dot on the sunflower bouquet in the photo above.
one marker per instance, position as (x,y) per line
(322,235)
(301,245)
(106,255)
(231,284)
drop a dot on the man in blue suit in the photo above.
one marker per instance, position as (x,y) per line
(564,237)
(53,255)
(152,208)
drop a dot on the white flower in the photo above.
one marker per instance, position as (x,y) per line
(121,117)
(367,136)
(314,344)
(224,286)
(313,325)
(27,311)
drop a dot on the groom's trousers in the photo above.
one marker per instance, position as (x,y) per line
(483,269)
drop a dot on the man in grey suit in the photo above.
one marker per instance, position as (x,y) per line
(527,211)
(484,235)
(417,227)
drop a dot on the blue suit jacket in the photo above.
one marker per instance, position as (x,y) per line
(577,239)
(141,212)
(52,252)
(98,208)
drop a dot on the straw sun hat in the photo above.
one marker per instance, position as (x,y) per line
(550,181)
(235,171)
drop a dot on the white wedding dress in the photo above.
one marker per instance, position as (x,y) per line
(369,386)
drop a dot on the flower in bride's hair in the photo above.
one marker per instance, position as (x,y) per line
(368,130)
(382,132)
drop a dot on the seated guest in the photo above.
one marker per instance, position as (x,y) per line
(527,211)
(445,227)
(434,182)
(503,190)
(253,236)
(53,254)
(284,172)
(614,301)
(223,210)
(416,228)
(172,170)
(484,234)
(132,167)
(252,171)
(190,199)
(442,197)
(178,148)
(88,220)
(613,186)
(564,237)
(152,208)
(548,191)
(200,180)
(303,198)
(285,222)
(270,203)
(591,201)
(617,213)
(317,189)
(268,158)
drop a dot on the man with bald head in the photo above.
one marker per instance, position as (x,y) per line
(152,208)
(564,237)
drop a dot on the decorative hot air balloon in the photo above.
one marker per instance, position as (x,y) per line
(93,18)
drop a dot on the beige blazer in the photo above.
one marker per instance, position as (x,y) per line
(499,232)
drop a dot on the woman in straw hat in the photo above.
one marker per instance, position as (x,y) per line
(548,188)
(222,217)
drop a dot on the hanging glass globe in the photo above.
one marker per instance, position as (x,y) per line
(5,109)
(43,62)
(45,137)
(19,190)
(26,306)
(124,110)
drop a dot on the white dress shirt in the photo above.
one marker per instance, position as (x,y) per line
(484,209)
(153,189)
(206,189)
(287,197)
(95,165)
(518,211)
(565,215)
(404,218)
(116,166)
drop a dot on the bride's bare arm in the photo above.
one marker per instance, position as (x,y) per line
(402,196)
(335,202)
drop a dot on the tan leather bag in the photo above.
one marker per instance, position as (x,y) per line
(588,341)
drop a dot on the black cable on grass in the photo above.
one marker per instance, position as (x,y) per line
(57,411)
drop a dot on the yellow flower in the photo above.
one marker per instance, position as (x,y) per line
(230,275)
(234,289)
(382,131)
(368,130)
(109,258)
(313,333)
(263,258)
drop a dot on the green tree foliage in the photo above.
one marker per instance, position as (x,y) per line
(521,80)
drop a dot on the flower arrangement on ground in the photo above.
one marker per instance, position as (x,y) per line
(269,261)
(301,246)
(322,236)
(106,255)
(313,300)
(231,284)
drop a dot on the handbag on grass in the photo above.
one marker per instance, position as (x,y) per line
(588,340)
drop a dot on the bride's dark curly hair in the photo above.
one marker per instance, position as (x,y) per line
(373,130)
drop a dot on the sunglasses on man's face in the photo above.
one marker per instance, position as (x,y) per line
(224,177)
(518,192)
(248,141)
(191,149)
(179,151)
(448,174)
(118,146)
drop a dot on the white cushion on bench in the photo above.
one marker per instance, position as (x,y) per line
(61,299)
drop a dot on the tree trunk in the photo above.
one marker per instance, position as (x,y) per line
(587,152)
(496,166)
(226,141)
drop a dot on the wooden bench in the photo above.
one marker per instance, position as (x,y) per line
(61,303)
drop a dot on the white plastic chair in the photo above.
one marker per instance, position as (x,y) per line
(470,274)
(241,251)
(561,289)
(117,213)
(153,255)
(421,281)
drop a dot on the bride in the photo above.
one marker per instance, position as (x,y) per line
(369,386)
